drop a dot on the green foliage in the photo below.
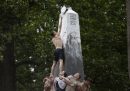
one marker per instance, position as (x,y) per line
(103,35)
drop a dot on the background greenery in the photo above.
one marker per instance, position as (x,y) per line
(27,25)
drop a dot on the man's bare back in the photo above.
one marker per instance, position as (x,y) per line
(57,41)
(58,52)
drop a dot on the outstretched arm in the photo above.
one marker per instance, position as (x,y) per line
(60,24)
(66,80)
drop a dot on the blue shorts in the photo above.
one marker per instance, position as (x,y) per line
(59,54)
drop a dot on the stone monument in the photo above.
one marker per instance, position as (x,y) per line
(70,35)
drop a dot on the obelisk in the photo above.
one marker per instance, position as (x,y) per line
(70,35)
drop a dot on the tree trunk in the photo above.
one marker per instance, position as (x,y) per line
(1,75)
(8,66)
(128,32)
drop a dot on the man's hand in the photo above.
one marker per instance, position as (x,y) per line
(51,75)
(44,80)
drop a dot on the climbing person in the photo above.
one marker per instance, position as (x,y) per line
(58,53)
(57,41)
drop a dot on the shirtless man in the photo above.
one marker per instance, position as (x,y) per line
(83,86)
(74,81)
(58,53)
(48,83)
(58,43)
(76,84)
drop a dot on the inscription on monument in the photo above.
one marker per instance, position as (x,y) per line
(72,19)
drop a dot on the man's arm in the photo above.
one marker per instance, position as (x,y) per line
(60,24)
(66,80)
(45,79)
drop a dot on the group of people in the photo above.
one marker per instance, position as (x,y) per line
(66,83)
(63,82)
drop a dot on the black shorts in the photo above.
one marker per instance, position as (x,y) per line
(59,54)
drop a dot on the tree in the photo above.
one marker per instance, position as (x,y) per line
(26,44)
(128,32)
(8,20)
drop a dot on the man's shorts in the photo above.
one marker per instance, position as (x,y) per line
(59,54)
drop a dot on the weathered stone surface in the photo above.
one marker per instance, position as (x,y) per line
(70,34)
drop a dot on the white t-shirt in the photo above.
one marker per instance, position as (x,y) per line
(61,83)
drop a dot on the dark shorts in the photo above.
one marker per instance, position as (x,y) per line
(59,54)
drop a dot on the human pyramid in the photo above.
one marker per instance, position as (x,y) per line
(63,82)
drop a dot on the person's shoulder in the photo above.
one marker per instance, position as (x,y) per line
(70,76)
(57,34)
(53,39)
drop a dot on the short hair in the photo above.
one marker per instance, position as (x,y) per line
(52,34)
(65,74)
(79,76)
(89,79)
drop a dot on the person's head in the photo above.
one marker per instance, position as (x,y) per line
(53,33)
(46,76)
(89,80)
(77,76)
(63,73)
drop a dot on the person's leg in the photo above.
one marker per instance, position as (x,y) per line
(53,67)
(61,65)
(61,61)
